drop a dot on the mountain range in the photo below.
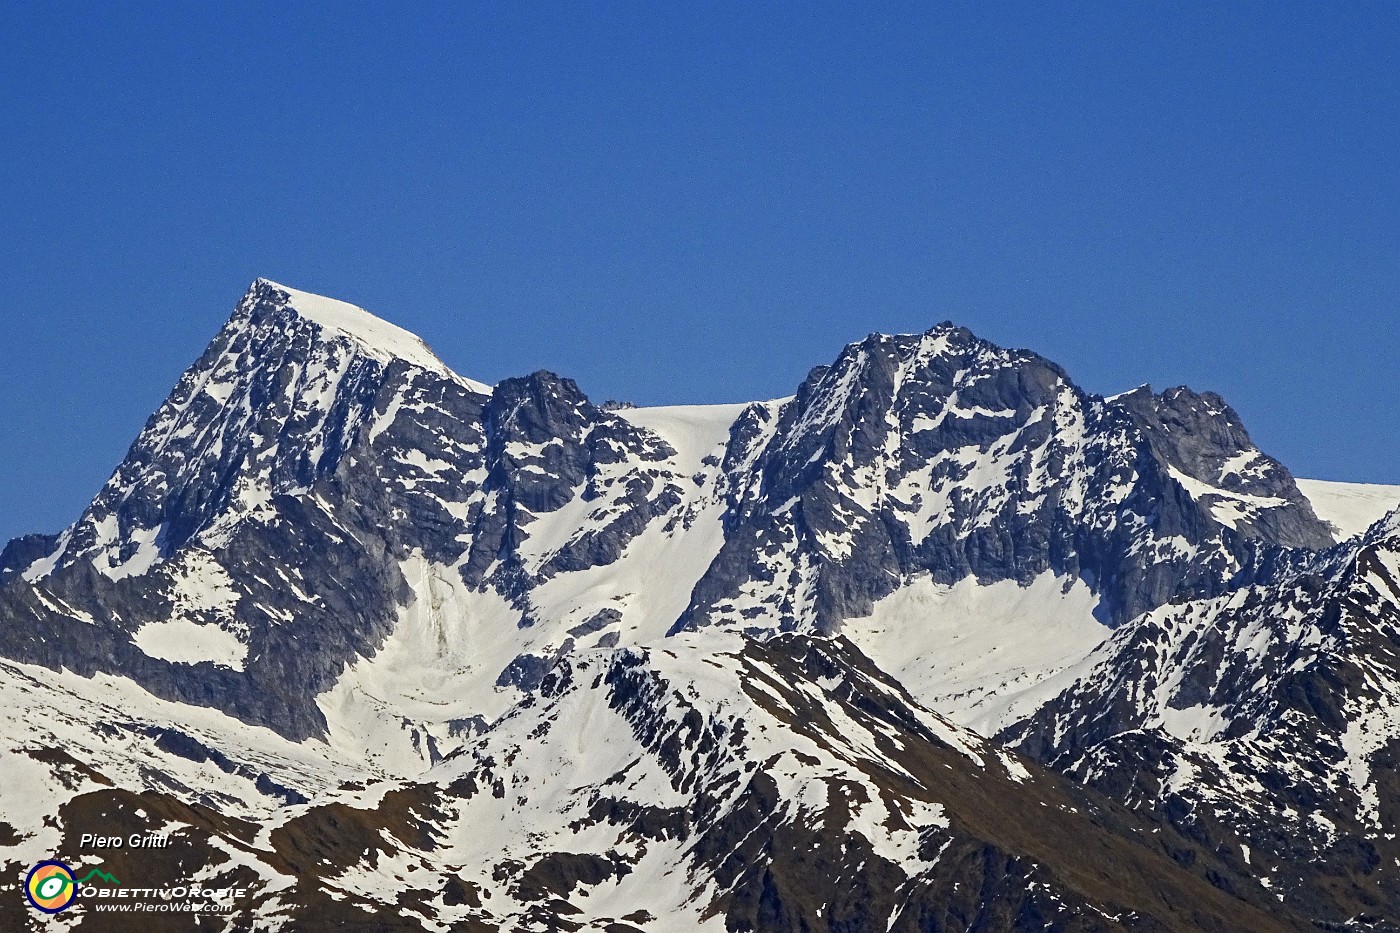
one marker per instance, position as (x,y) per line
(940,642)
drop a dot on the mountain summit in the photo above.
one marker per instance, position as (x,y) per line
(374,337)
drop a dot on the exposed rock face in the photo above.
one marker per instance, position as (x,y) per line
(1201,437)
(547,447)
(942,453)
(23,552)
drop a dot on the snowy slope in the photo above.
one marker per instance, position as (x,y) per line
(983,655)
(1351,508)
(106,730)
(384,341)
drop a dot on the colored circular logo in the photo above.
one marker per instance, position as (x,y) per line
(50,886)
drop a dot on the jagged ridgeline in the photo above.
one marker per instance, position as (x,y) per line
(730,664)
(318,471)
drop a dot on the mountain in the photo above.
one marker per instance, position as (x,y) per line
(335,590)
(943,454)
(1264,725)
(716,782)
(318,474)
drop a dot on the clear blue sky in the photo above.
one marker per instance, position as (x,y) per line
(698,202)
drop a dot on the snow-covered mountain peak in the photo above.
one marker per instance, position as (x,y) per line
(371,336)
(276,400)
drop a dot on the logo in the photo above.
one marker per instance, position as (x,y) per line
(99,873)
(50,886)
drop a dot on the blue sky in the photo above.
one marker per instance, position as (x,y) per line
(699,202)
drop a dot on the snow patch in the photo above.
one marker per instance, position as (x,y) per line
(1228,508)
(145,556)
(695,431)
(981,655)
(1350,508)
(184,641)
(378,338)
